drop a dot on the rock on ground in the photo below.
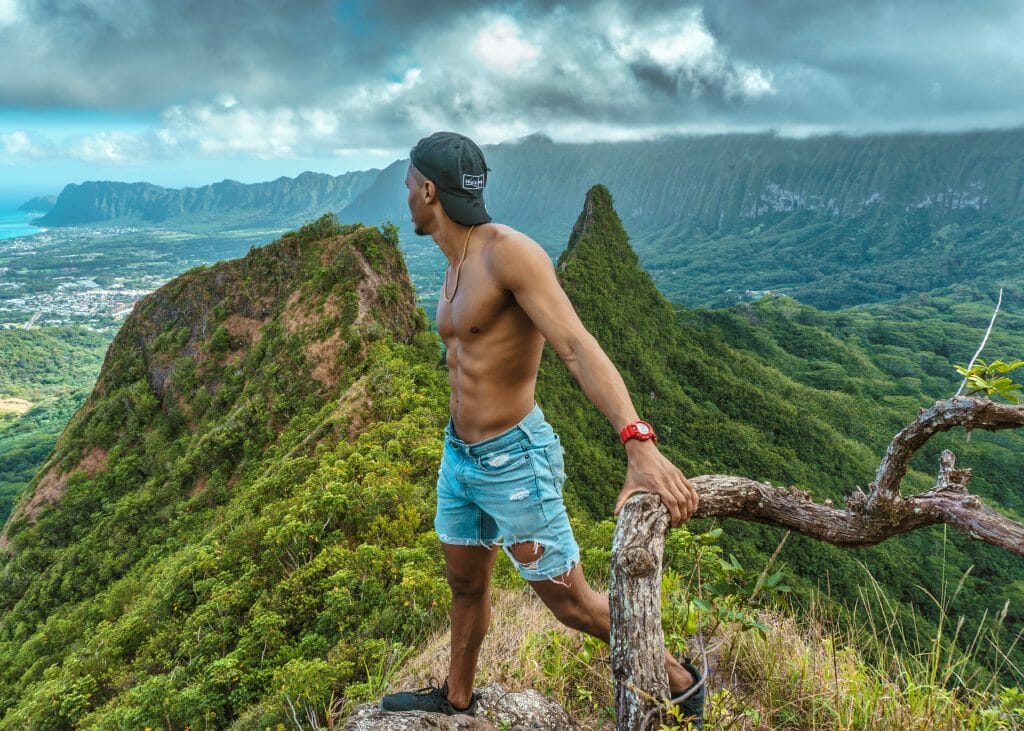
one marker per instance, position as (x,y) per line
(499,709)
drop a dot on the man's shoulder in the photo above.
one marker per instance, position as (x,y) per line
(515,260)
(506,241)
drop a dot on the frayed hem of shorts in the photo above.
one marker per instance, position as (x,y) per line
(453,541)
(549,576)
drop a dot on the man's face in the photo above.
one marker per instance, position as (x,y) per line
(417,207)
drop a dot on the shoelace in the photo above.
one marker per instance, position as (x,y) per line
(433,687)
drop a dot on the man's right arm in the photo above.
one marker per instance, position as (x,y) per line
(520,265)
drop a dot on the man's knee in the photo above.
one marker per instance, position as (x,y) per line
(468,570)
(467,586)
(574,614)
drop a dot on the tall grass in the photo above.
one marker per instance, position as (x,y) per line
(814,672)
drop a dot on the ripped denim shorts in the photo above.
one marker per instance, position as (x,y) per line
(507,490)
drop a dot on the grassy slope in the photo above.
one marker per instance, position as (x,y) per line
(259,524)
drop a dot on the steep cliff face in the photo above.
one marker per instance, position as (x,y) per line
(714,183)
(721,219)
(729,182)
(832,221)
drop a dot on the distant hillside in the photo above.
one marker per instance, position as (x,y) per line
(779,391)
(832,221)
(49,372)
(281,201)
(43,204)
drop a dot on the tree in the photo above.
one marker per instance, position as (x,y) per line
(868,518)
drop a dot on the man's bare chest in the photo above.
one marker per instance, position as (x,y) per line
(477,308)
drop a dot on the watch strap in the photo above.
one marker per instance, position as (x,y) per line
(638,429)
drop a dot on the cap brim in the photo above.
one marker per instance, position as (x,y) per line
(467,211)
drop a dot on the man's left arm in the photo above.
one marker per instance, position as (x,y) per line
(521,266)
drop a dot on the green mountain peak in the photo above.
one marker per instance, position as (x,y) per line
(601,272)
(242,345)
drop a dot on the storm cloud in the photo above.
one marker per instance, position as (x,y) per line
(320,78)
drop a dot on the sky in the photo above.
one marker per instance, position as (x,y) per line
(190,92)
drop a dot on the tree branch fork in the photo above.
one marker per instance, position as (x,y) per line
(881,513)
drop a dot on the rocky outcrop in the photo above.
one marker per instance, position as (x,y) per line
(499,709)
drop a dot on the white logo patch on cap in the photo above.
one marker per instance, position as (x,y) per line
(472,182)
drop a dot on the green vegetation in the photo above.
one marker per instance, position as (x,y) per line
(52,370)
(244,529)
(780,660)
(781,392)
(254,530)
(986,378)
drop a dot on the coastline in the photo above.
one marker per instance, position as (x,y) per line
(16,224)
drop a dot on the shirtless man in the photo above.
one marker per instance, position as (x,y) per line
(501,475)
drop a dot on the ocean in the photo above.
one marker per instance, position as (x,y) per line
(16,223)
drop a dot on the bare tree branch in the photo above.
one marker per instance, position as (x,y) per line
(868,518)
(882,513)
(970,413)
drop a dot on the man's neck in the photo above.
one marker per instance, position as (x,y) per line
(451,239)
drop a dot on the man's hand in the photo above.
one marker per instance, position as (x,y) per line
(650,471)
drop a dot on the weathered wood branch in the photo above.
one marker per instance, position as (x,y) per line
(870,518)
(634,600)
(637,641)
(970,413)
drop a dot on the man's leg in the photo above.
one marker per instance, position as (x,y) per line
(575,604)
(468,569)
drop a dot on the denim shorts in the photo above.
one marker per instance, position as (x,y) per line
(506,490)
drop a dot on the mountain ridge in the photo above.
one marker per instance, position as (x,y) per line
(281,200)
(211,317)
(832,221)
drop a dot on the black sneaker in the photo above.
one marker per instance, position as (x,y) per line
(432,699)
(691,700)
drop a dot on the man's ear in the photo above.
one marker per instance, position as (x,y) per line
(429,191)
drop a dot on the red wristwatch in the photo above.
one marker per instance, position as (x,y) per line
(637,430)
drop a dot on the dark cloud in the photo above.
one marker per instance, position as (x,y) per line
(885,63)
(139,53)
(249,77)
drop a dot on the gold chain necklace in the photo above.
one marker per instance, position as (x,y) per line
(458,269)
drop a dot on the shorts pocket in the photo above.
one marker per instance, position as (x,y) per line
(504,460)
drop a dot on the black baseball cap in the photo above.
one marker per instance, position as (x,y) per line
(456,166)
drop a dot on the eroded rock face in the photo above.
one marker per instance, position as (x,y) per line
(516,711)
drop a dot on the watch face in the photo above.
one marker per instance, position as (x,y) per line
(643,429)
